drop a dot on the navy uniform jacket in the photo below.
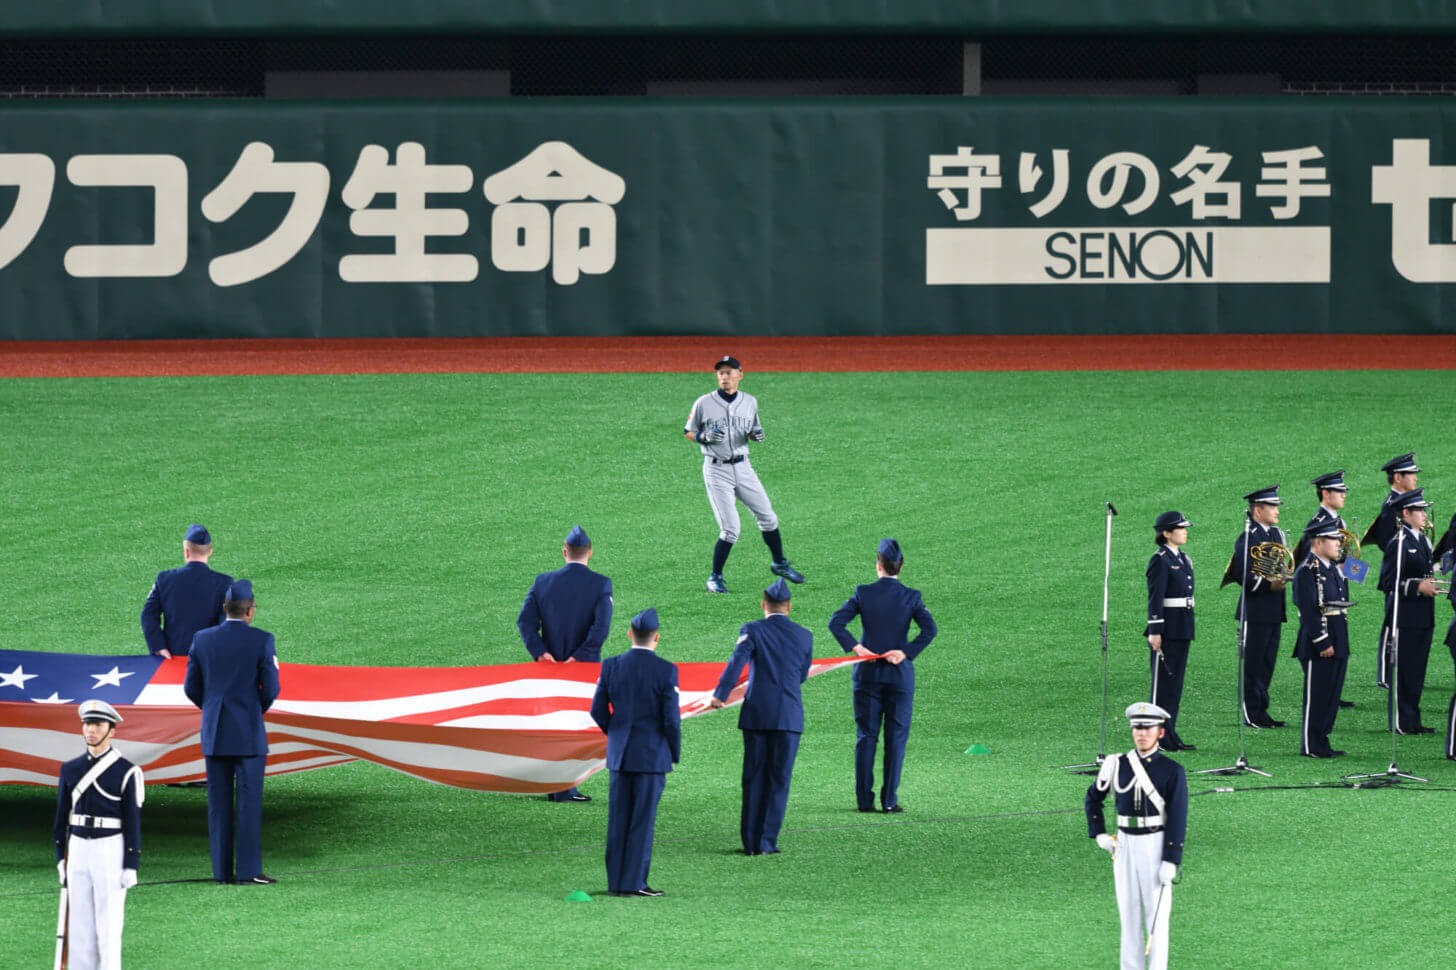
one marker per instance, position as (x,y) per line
(1265,604)
(190,597)
(1383,528)
(1316,583)
(1170,782)
(1322,516)
(778,653)
(1416,612)
(1170,576)
(567,613)
(636,705)
(232,674)
(116,794)
(886,608)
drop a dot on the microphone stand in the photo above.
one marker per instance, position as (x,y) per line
(1241,764)
(1393,774)
(1092,767)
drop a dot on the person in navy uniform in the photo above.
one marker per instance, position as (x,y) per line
(1150,792)
(566,616)
(1448,540)
(1321,595)
(1330,490)
(232,674)
(1260,609)
(778,653)
(1406,578)
(98,837)
(1402,473)
(184,600)
(636,706)
(1170,620)
(884,690)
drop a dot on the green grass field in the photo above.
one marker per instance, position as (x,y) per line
(399,521)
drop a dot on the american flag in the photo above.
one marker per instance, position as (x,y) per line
(509,728)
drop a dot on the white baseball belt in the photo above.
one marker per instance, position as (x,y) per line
(1184,602)
(96,821)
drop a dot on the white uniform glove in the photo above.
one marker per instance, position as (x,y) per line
(1107,843)
(128,878)
(61,868)
(1166,872)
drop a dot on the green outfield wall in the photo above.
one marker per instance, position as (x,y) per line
(927,216)
(576,16)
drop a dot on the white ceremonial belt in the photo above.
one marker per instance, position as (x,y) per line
(1139,821)
(1334,611)
(1185,602)
(96,821)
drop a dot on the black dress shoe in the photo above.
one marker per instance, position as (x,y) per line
(223,882)
(1185,746)
(1276,723)
(894,809)
(648,891)
(258,880)
(578,797)
(1323,754)
(750,852)
(1425,730)
(1337,753)
(771,851)
(1345,703)
(866,809)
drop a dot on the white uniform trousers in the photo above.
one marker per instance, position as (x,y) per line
(1135,874)
(93,873)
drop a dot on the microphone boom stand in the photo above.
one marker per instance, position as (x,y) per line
(1092,767)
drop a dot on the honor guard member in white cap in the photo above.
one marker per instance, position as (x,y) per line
(884,690)
(1150,792)
(778,653)
(1330,490)
(566,616)
(1170,620)
(232,674)
(1321,595)
(636,706)
(723,423)
(98,835)
(1409,554)
(184,600)
(1402,473)
(1260,609)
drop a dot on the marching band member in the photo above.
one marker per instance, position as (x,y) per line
(1401,472)
(1412,602)
(1260,609)
(1323,645)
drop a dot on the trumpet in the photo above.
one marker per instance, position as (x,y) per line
(1272,560)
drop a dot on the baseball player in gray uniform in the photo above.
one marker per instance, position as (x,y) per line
(722,423)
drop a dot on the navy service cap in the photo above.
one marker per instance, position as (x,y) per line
(94,710)
(778,592)
(1402,464)
(890,550)
(1169,521)
(728,361)
(1414,499)
(1323,530)
(1264,496)
(1143,714)
(241,589)
(1334,482)
(197,535)
(577,537)
(646,621)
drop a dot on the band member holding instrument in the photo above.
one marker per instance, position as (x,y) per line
(1260,610)
(1330,490)
(1150,791)
(1406,578)
(1444,549)
(1170,620)
(98,836)
(1323,645)
(1401,472)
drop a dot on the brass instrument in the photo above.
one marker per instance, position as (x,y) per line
(1349,546)
(1272,560)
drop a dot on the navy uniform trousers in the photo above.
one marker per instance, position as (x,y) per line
(877,703)
(1451,711)
(1169,665)
(1410,655)
(235,822)
(1261,650)
(768,764)
(633,799)
(1324,679)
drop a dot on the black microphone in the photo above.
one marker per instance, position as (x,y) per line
(1111,509)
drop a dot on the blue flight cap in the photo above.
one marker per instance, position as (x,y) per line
(1414,499)
(1323,530)
(1264,496)
(241,589)
(890,550)
(778,592)
(197,535)
(1169,521)
(1333,482)
(577,537)
(646,621)
(1401,464)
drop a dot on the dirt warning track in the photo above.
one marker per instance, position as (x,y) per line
(599,355)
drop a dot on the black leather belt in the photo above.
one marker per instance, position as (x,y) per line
(1147,831)
(729,461)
